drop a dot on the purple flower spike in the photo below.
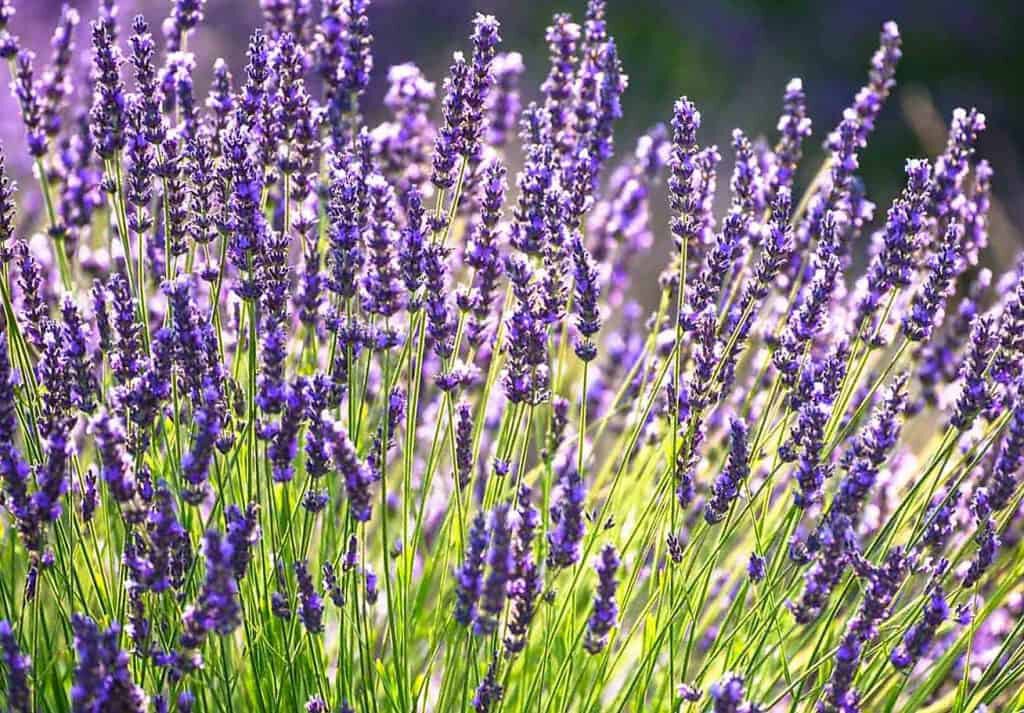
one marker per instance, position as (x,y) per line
(19,666)
(499,562)
(355,473)
(311,606)
(975,392)
(794,126)
(469,576)
(929,302)
(102,680)
(685,170)
(107,118)
(985,536)
(567,516)
(605,613)
(117,470)
(217,609)
(727,487)
(869,100)
(588,317)
(918,638)
(727,695)
(1007,468)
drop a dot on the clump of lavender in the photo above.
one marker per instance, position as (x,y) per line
(337,415)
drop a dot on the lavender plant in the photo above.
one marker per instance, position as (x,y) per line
(300,413)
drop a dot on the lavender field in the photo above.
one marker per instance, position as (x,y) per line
(306,411)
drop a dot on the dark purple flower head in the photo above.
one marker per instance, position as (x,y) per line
(976,213)
(892,266)
(195,464)
(19,667)
(918,638)
(871,449)
(1006,364)
(370,590)
(794,126)
(26,91)
(928,306)
(171,551)
(217,608)
(489,691)
(706,287)
(55,86)
(101,678)
(883,582)
(684,190)
(382,294)
(77,357)
(727,486)
(149,94)
(249,110)
(834,540)
(451,141)
(242,534)
(975,392)
(588,317)
(485,41)
(483,253)
(562,37)
(867,105)
(612,85)
(605,613)
(107,118)
(356,475)
(745,177)
(567,517)
(350,73)
(499,564)
(985,536)
(311,606)
(469,576)
(757,568)
(347,209)
(688,693)
(808,319)
(1007,468)
(952,165)
(727,694)
(116,467)
(528,232)
(463,444)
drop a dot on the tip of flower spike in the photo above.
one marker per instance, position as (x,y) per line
(485,29)
(686,112)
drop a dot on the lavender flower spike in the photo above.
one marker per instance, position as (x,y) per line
(1007,467)
(918,638)
(18,665)
(499,561)
(469,576)
(605,613)
(727,487)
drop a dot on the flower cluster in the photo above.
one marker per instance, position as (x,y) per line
(299,411)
